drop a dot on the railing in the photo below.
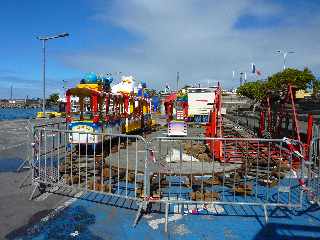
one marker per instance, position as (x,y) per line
(254,172)
(114,166)
(313,166)
(31,127)
(174,171)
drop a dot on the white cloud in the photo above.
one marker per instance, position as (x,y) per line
(198,39)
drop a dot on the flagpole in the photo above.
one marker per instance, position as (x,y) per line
(232,77)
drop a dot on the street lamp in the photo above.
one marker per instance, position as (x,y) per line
(44,39)
(284,54)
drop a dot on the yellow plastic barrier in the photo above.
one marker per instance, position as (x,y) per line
(49,114)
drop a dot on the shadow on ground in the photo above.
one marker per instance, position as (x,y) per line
(67,225)
(280,231)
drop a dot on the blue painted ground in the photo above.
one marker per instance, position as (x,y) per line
(96,216)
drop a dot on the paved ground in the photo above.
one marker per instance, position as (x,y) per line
(96,216)
(16,210)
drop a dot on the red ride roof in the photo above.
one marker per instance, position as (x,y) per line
(171,97)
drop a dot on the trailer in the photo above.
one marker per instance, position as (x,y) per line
(200,103)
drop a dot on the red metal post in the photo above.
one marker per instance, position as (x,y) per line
(115,107)
(262,123)
(309,134)
(94,102)
(269,116)
(126,104)
(68,106)
(107,98)
(81,108)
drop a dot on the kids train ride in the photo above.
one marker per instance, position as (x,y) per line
(102,110)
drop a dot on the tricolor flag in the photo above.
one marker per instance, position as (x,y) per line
(254,69)
(167,89)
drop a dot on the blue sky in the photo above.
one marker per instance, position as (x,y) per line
(153,39)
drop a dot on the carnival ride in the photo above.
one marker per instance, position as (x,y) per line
(177,123)
(105,110)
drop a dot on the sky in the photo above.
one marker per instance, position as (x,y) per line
(205,40)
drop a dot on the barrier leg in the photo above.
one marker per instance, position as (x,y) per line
(265,213)
(25,179)
(142,206)
(25,164)
(166,218)
(36,185)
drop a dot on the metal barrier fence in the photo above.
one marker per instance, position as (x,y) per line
(251,121)
(31,126)
(255,172)
(170,170)
(313,183)
(114,166)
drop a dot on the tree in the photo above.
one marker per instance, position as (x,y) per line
(253,90)
(315,87)
(53,98)
(300,79)
(278,83)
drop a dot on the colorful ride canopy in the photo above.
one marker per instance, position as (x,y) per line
(94,78)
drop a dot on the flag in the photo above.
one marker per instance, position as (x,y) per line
(167,89)
(255,70)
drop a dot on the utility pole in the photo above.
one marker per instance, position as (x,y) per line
(11,92)
(178,80)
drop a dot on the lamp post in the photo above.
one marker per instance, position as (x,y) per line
(284,54)
(241,79)
(44,39)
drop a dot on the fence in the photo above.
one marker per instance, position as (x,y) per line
(30,127)
(115,166)
(17,136)
(313,183)
(252,172)
(179,172)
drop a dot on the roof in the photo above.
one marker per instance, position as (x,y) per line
(83,92)
(171,97)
